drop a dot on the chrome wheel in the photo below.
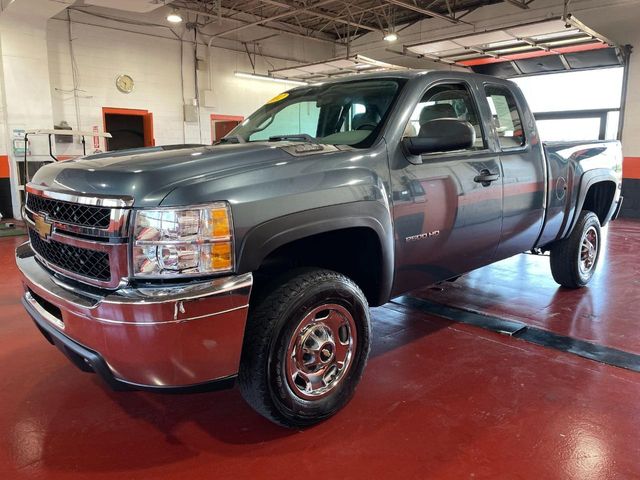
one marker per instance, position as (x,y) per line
(321,351)
(588,251)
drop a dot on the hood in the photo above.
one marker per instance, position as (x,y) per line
(148,176)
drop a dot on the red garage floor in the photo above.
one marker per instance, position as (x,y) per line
(438,399)
(521,288)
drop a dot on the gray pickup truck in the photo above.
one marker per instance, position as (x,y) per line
(257,259)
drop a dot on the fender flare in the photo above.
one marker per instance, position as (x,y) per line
(265,238)
(590,178)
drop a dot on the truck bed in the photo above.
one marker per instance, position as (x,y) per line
(572,166)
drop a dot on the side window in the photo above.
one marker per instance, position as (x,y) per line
(301,117)
(506,117)
(445,101)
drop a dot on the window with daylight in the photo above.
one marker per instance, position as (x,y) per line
(583,105)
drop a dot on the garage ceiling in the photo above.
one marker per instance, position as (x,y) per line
(531,40)
(527,48)
(334,20)
(333,68)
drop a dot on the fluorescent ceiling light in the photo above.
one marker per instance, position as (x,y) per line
(174,17)
(391,37)
(255,76)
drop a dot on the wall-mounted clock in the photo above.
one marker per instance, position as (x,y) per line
(124,83)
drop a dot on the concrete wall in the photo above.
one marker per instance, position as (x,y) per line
(153,62)
(38,82)
(26,98)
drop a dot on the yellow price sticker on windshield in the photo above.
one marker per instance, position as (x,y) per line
(277,98)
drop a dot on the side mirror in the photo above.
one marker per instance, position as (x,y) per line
(441,135)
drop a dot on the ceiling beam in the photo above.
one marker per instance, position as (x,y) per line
(322,38)
(308,11)
(350,13)
(272,18)
(424,11)
(409,53)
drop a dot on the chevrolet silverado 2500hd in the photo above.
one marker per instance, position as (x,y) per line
(258,258)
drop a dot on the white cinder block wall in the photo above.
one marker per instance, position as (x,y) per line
(38,76)
(101,54)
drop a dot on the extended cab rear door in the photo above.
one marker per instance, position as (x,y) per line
(447,206)
(514,137)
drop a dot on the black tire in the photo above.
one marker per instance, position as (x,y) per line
(567,265)
(276,320)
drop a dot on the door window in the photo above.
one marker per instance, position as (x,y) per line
(445,101)
(505,116)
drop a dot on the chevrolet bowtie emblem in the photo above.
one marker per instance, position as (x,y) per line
(42,227)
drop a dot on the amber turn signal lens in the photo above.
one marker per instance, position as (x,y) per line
(221,256)
(220,223)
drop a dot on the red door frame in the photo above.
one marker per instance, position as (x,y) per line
(147,121)
(223,118)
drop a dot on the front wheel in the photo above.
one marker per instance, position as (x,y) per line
(574,259)
(306,345)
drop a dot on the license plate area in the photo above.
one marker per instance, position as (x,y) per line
(48,310)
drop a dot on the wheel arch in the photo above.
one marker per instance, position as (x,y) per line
(339,237)
(597,193)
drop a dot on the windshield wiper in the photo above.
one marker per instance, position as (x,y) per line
(297,137)
(232,139)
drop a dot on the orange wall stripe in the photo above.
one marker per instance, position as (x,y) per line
(234,118)
(4,166)
(631,167)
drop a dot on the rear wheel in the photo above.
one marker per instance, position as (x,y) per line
(305,348)
(574,259)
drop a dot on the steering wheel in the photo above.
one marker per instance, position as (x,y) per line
(372,125)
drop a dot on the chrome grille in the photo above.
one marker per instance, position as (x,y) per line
(88,234)
(73,213)
(81,261)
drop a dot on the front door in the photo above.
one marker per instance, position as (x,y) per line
(447,210)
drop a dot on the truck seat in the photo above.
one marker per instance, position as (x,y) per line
(435,112)
(367,120)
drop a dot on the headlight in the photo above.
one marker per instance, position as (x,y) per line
(183,241)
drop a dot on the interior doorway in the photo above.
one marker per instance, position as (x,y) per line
(223,124)
(130,128)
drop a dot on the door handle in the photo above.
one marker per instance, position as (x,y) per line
(486,177)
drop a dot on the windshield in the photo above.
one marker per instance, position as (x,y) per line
(348,113)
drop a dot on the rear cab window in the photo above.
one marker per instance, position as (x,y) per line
(505,116)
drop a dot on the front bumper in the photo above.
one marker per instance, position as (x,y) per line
(157,338)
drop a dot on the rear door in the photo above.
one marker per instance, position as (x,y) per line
(447,219)
(523,168)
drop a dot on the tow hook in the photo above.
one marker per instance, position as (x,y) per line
(179,308)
